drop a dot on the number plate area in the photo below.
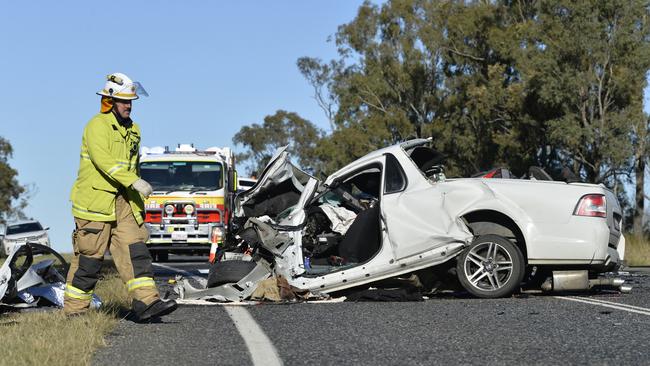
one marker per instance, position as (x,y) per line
(179,236)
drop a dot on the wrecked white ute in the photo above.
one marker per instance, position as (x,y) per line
(392,212)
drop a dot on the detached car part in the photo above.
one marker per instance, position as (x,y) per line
(23,283)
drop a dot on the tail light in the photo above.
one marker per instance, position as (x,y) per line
(593,205)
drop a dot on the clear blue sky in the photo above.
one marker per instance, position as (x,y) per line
(210,67)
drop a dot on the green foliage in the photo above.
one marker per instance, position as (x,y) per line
(513,83)
(10,189)
(421,68)
(484,123)
(280,129)
(587,71)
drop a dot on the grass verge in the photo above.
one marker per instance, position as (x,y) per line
(637,251)
(49,338)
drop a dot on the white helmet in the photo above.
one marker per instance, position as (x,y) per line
(120,86)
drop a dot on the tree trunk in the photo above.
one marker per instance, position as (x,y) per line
(639,173)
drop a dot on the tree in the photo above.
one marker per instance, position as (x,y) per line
(485,122)
(319,76)
(277,130)
(10,189)
(414,68)
(641,147)
(585,67)
(385,86)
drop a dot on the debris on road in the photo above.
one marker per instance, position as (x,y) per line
(271,289)
(25,284)
(278,289)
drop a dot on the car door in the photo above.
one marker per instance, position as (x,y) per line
(413,210)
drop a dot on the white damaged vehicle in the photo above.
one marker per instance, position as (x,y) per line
(393,212)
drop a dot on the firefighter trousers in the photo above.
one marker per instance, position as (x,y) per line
(125,240)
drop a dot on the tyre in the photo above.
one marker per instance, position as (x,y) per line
(492,266)
(229,272)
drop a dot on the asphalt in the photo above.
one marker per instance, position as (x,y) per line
(527,329)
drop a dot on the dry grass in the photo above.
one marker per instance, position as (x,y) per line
(637,251)
(49,338)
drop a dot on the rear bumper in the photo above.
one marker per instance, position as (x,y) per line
(582,240)
(615,256)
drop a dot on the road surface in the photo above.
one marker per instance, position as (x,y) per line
(592,328)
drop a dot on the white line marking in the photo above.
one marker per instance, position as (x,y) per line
(259,345)
(630,308)
(204,271)
(614,303)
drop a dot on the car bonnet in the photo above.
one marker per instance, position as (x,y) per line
(279,169)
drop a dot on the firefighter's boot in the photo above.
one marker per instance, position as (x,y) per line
(154,310)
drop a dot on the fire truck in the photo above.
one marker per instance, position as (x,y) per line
(193,190)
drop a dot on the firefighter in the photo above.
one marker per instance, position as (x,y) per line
(108,205)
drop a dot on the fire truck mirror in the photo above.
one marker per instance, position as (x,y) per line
(232,180)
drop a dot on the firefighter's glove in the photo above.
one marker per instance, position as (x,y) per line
(143,187)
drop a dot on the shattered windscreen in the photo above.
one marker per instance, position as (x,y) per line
(183,175)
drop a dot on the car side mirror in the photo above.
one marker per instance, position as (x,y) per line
(47,228)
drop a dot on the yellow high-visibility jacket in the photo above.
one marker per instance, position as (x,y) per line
(109,162)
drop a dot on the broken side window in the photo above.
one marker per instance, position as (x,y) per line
(395,179)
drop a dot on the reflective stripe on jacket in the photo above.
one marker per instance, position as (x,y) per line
(108,164)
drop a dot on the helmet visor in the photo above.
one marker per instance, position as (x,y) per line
(139,89)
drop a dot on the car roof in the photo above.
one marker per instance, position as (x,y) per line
(395,149)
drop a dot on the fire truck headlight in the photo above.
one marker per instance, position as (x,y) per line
(169,210)
(189,209)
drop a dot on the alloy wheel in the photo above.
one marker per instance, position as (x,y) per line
(488,266)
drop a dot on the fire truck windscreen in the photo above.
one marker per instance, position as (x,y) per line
(183,175)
